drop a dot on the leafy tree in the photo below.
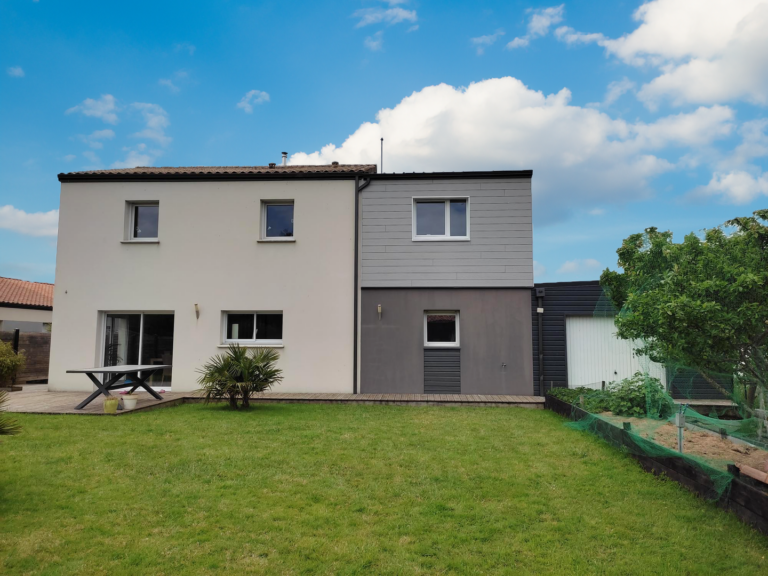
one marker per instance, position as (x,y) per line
(702,303)
(238,374)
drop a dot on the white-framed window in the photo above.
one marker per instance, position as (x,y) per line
(441,329)
(444,218)
(257,328)
(146,338)
(277,220)
(143,220)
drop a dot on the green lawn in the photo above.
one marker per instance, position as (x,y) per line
(307,489)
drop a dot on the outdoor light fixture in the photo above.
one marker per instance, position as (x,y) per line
(379,311)
(197,311)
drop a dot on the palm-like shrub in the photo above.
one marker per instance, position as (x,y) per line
(7,426)
(238,374)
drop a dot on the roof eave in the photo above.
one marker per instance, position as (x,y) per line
(211,177)
(221,176)
(482,174)
(25,306)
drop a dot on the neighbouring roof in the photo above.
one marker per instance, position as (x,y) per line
(23,294)
(202,172)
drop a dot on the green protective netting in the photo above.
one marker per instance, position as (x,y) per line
(635,441)
(695,314)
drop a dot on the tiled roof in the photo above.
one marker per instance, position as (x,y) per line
(23,293)
(231,170)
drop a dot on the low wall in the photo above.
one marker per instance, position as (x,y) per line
(748,500)
(37,349)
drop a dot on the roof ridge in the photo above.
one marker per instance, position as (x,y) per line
(27,281)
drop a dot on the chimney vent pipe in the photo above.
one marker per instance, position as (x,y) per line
(285,159)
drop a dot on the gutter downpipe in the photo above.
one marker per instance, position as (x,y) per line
(540,313)
(358,188)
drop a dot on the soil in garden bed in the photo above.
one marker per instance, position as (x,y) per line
(708,446)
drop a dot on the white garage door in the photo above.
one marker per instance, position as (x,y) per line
(595,354)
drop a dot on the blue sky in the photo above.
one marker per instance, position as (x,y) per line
(630,114)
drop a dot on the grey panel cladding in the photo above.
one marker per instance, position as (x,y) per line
(562,299)
(442,371)
(499,252)
(495,339)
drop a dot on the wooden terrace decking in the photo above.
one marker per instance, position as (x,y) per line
(41,401)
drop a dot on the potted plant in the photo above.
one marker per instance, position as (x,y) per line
(110,405)
(130,400)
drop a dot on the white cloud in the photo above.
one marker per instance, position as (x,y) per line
(413,28)
(387,16)
(15,72)
(156,120)
(185,46)
(518,43)
(735,187)
(539,270)
(92,157)
(69,157)
(482,42)
(616,90)
(375,42)
(541,20)
(168,83)
(104,108)
(596,212)
(579,155)
(707,51)
(29,223)
(571,36)
(94,139)
(754,144)
(579,266)
(133,159)
(252,98)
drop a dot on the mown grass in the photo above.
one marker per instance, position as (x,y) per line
(319,489)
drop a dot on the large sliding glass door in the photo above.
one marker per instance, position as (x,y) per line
(140,338)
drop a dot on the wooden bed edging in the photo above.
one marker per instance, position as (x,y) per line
(743,497)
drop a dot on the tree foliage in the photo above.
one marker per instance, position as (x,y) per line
(702,303)
(238,374)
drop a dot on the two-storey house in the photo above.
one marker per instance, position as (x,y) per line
(364,282)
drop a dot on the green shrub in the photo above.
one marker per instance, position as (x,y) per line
(595,401)
(10,362)
(639,396)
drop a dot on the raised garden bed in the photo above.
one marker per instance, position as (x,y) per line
(746,497)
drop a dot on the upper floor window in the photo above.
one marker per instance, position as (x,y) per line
(143,219)
(277,220)
(253,327)
(441,218)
